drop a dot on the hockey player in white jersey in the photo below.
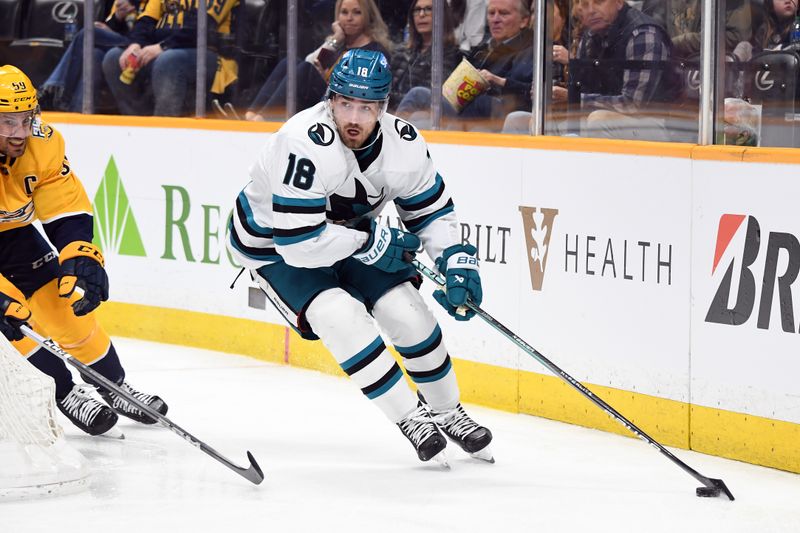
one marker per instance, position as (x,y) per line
(305,227)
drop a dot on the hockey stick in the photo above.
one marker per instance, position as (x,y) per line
(253,473)
(711,487)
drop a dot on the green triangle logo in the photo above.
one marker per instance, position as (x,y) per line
(115,228)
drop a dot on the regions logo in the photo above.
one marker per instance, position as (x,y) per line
(405,130)
(538,225)
(321,134)
(115,228)
(739,241)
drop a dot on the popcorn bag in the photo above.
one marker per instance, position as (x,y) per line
(463,85)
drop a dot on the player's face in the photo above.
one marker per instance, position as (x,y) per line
(15,128)
(355,119)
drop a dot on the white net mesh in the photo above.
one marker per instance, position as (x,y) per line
(34,458)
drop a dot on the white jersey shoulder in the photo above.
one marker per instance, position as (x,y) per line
(309,139)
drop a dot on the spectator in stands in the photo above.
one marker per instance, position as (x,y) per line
(504,60)
(63,89)
(682,20)
(518,122)
(358,24)
(774,32)
(163,55)
(469,18)
(618,99)
(411,63)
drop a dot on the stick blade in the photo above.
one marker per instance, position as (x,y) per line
(253,474)
(713,489)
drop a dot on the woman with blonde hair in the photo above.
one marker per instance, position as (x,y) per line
(358,24)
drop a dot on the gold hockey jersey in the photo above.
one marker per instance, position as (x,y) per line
(41,183)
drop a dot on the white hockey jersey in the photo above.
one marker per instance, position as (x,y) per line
(306,183)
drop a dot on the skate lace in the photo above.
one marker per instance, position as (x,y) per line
(418,426)
(81,405)
(121,403)
(455,421)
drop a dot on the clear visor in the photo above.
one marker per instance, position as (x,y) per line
(19,125)
(354,111)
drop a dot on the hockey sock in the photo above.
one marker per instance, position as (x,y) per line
(413,330)
(54,367)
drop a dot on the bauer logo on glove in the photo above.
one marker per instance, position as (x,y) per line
(459,265)
(386,247)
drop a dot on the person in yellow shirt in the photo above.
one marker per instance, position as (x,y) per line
(55,291)
(160,64)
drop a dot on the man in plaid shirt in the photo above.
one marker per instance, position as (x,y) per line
(622,72)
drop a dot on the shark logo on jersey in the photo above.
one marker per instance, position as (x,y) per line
(348,208)
(321,134)
(405,130)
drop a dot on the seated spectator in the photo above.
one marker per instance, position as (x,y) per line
(163,56)
(775,32)
(682,20)
(411,63)
(358,24)
(504,61)
(469,18)
(618,99)
(63,89)
(518,122)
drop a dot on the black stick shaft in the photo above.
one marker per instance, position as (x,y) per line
(253,473)
(530,350)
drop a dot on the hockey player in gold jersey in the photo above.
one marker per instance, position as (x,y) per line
(55,291)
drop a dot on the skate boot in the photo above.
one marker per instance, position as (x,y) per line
(123,407)
(88,414)
(464,431)
(418,428)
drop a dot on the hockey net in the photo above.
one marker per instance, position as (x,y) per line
(35,460)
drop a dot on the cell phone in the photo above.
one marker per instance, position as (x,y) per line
(327,57)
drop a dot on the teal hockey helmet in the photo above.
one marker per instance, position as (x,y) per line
(362,74)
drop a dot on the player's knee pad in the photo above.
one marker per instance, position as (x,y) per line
(81,336)
(404,316)
(340,320)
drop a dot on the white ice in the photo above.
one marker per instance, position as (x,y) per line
(333,463)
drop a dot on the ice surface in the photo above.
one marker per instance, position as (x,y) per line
(334,463)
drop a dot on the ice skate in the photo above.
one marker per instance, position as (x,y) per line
(123,407)
(87,413)
(429,443)
(468,434)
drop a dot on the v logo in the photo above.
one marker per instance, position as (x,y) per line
(538,224)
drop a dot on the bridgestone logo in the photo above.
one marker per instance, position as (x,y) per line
(780,270)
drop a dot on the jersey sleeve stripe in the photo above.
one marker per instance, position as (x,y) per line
(419,223)
(298,202)
(284,237)
(423,199)
(298,209)
(247,219)
(267,253)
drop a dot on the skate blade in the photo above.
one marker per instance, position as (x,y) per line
(113,433)
(441,459)
(483,455)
